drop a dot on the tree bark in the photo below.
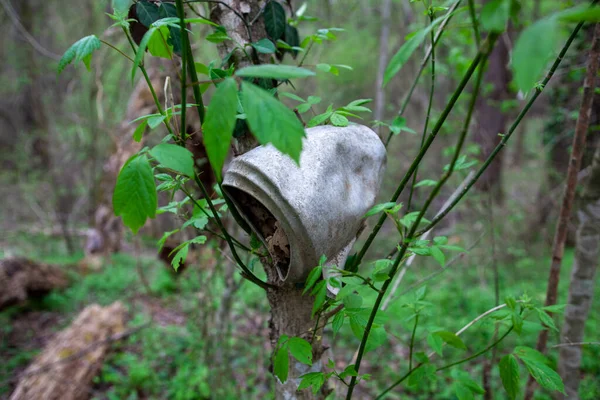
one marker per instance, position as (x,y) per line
(386,7)
(68,364)
(582,285)
(21,279)
(581,129)
(290,309)
(491,121)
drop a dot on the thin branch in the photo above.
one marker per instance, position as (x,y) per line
(464,360)
(576,344)
(438,35)
(538,90)
(427,115)
(482,55)
(246,273)
(423,237)
(113,47)
(412,342)
(432,354)
(183,79)
(560,236)
(12,14)
(442,119)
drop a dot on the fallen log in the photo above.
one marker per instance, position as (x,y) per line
(21,278)
(65,368)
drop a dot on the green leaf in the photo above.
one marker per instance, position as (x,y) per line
(147,12)
(338,120)
(538,369)
(292,38)
(546,319)
(411,218)
(556,308)
(517,322)
(509,373)
(264,46)
(292,96)
(583,13)
(534,47)
(468,382)
(275,20)
(320,293)
(337,322)
(462,392)
(314,275)
(495,15)
(158,44)
(179,259)
(399,125)
(377,337)
(174,157)
(426,182)
(380,208)
(314,379)
(511,302)
(274,71)
(281,364)
(451,339)
(353,302)
(139,131)
(168,10)
(405,51)
(219,124)
(301,350)
(218,36)
(121,6)
(271,121)
(155,121)
(134,198)
(139,55)
(357,325)
(319,119)
(81,50)
(438,255)
(435,342)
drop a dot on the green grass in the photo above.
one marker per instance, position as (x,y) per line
(179,360)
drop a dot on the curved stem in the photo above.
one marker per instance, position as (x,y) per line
(118,50)
(424,148)
(149,83)
(491,346)
(246,272)
(183,78)
(427,116)
(412,342)
(481,55)
(474,22)
(438,35)
(505,137)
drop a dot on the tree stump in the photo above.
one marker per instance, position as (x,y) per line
(66,367)
(21,279)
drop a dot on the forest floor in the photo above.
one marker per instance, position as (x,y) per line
(180,353)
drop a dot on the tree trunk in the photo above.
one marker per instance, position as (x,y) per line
(581,129)
(490,120)
(21,279)
(68,364)
(582,285)
(581,289)
(290,310)
(386,7)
